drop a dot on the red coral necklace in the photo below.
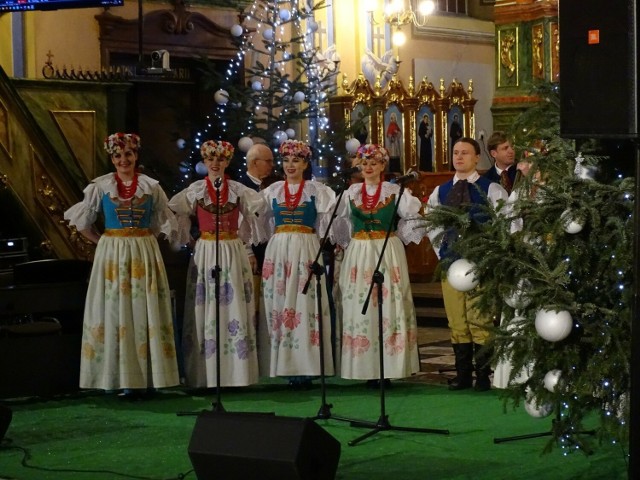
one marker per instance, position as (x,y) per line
(126,192)
(370,201)
(293,200)
(224,191)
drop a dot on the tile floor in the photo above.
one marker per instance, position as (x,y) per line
(436,355)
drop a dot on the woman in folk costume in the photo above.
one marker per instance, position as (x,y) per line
(237,207)
(361,225)
(299,212)
(127,340)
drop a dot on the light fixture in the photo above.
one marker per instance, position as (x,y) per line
(398,13)
(401,12)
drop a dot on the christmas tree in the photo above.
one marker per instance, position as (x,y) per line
(554,269)
(278,85)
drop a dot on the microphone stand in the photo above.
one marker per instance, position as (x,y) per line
(215,274)
(217,404)
(383,423)
(316,269)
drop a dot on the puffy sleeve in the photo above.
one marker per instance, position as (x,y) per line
(163,221)
(325,203)
(251,229)
(266,219)
(341,229)
(183,204)
(84,214)
(411,226)
(434,234)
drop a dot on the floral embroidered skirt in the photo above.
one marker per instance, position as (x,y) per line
(237,331)
(127,339)
(292,317)
(360,334)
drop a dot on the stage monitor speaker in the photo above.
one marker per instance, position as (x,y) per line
(598,69)
(5,420)
(241,446)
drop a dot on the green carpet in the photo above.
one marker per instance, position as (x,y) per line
(97,436)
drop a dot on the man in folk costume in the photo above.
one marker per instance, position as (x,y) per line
(469,330)
(504,170)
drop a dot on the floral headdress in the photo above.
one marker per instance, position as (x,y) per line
(295,148)
(118,141)
(213,149)
(372,151)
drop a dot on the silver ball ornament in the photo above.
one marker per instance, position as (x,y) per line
(352,145)
(553,326)
(201,168)
(245,143)
(236,30)
(519,297)
(284,14)
(551,379)
(461,275)
(570,224)
(221,97)
(537,410)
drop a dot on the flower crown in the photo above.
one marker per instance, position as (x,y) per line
(295,148)
(118,141)
(372,151)
(213,149)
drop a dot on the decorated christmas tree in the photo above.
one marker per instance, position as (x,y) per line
(554,269)
(278,85)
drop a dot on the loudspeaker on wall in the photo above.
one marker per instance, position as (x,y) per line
(598,68)
(234,446)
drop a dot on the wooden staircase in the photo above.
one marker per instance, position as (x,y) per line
(427,298)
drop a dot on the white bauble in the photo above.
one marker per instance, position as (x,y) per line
(553,326)
(279,136)
(519,297)
(298,97)
(201,168)
(181,143)
(312,25)
(461,275)
(352,145)
(236,30)
(286,55)
(535,410)
(285,15)
(268,34)
(256,85)
(588,173)
(221,97)
(551,379)
(570,224)
(244,144)
(291,133)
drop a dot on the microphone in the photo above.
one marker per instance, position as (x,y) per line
(347,172)
(406,178)
(217,183)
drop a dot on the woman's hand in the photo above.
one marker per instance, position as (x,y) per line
(253,261)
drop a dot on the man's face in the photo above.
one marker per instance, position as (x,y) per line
(264,163)
(504,155)
(465,158)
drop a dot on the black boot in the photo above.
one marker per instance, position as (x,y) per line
(464,366)
(483,367)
